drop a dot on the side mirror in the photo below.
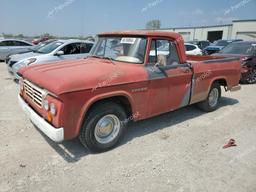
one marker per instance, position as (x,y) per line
(59,53)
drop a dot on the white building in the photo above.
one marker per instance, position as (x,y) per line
(239,29)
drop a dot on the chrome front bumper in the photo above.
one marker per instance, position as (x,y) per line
(55,134)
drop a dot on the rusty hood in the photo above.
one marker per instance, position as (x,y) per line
(91,73)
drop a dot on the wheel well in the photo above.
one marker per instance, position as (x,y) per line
(222,82)
(120,100)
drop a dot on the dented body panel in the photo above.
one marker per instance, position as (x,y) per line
(148,90)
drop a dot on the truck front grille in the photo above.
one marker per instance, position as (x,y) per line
(34,93)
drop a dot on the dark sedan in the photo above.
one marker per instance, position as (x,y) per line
(246,51)
(218,45)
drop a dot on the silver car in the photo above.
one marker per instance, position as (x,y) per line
(12,46)
(33,48)
(55,51)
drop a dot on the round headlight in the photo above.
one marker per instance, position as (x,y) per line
(52,109)
(46,105)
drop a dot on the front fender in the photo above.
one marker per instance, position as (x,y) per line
(99,97)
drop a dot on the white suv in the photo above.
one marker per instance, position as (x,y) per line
(192,49)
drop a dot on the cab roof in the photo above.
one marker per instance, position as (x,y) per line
(146,33)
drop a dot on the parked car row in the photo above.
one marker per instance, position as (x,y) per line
(49,51)
(200,44)
(218,45)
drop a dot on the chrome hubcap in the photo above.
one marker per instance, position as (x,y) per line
(107,129)
(213,97)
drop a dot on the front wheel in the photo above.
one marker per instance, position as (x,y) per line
(103,127)
(212,101)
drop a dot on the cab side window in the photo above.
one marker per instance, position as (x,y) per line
(163,52)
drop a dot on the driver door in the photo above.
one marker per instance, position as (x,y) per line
(170,81)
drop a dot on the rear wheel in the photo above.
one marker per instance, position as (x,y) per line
(103,127)
(212,101)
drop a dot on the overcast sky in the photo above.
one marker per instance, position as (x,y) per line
(88,17)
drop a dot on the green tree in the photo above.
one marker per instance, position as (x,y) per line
(20,36)
(153,24)
(45,35)
(90,38)
(7,35)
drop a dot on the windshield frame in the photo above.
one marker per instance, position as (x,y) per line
(92,53)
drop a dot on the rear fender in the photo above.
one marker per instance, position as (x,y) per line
(219,79)
(223,82)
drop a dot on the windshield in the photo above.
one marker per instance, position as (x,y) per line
(220,43)
(38,46)
(49,47)
(239,48)
(126,49)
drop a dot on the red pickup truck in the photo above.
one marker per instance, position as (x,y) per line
(130,76)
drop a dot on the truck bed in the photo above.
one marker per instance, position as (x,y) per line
(209,68)
(209,59)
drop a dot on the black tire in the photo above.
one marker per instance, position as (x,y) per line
(250,77)
(87,134)
(206,105)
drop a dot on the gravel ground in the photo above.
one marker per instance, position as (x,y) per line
(179,151)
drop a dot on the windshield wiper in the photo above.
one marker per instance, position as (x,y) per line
(103,57)
(110,59)
(95,56)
